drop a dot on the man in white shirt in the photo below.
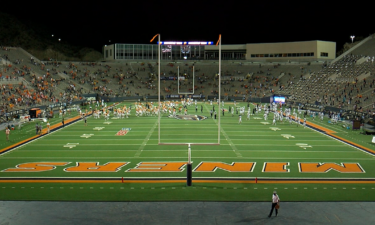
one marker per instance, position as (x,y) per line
(275,201)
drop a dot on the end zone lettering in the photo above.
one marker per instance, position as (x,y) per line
(123,131)
(268,167)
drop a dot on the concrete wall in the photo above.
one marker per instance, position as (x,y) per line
(291,47)
(109,52)
(328,47)
(285,47)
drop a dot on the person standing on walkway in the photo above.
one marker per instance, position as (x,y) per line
(63,122)
(275,201)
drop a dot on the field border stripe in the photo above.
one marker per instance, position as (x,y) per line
(331,134)
(44,132)
(195,180)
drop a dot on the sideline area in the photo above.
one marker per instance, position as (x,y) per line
(184,213)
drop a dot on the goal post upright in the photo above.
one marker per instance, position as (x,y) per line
(219,108)
(189,144)
(159,101)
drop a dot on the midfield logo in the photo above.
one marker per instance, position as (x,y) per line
(123,131)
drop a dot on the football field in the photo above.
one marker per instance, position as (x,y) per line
(119,159)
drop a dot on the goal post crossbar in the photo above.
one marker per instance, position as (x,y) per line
(189,143)
(219,98)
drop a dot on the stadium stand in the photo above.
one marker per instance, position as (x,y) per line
(347,83)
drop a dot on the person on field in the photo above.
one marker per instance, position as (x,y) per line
(275,201)
(48,125)
(7,132)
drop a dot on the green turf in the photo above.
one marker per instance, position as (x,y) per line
(250,141)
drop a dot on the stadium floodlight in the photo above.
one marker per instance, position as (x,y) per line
(352,37)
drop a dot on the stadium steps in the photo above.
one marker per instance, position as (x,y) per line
(366,47)
(358,49)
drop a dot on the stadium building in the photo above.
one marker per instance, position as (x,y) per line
(304,51)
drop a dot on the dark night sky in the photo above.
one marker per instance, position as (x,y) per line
(239,22)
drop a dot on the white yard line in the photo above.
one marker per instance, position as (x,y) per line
(291,145)
(138,153)
(231,144)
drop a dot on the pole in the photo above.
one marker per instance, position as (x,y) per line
(159,102)
(189,177)
(219,109)
(193,79)
(178,79)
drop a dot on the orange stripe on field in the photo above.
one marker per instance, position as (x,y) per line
(92,181)
(44,131)
(320,128)
(196,181)
(352,143)
(331,133)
